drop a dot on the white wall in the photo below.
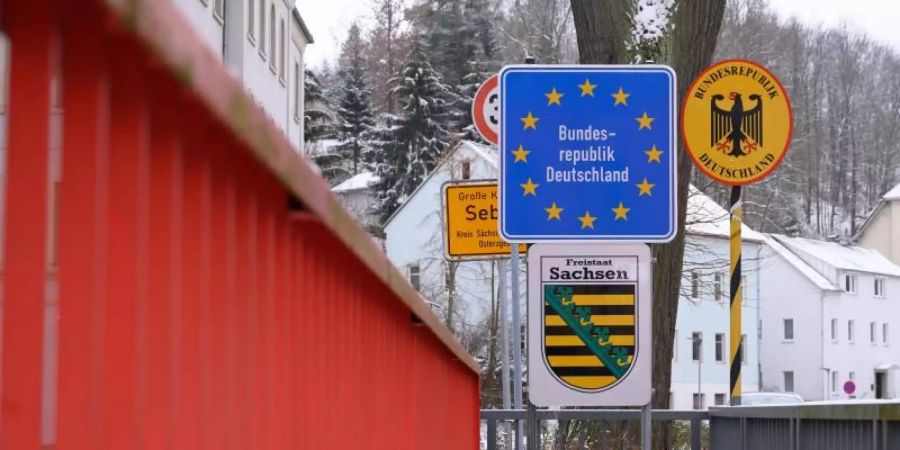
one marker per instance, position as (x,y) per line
(208,25)
(248,57)
(881,233)
(861,356)
(788,294)
(414,236)
(710,255)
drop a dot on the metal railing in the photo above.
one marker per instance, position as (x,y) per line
(810,426)
(495,418)
(212,293)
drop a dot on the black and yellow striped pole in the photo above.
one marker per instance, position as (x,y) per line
(736,210)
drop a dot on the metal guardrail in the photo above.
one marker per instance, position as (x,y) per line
(494,417)
(809,426)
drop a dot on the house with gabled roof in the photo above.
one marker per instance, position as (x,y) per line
(881,230)
(829,318)
(413,241)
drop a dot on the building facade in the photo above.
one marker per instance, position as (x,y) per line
(701,359)
(262,43)
(414,243)
(836,325)
(881,230)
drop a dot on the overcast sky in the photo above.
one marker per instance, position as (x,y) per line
(328,20)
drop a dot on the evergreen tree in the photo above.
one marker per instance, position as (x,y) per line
(317,118)
(409,145)
(318,126)
(354,109)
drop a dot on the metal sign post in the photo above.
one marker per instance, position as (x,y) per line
(504,334)
(736,210)
(736,123)
(517,341)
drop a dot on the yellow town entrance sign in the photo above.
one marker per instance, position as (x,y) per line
(736,122)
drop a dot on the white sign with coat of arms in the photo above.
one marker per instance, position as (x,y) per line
(589,324)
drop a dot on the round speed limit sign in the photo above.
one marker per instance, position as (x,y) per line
(486,110)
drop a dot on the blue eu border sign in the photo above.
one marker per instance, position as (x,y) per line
(587,153)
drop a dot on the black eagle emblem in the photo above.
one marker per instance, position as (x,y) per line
(729,130)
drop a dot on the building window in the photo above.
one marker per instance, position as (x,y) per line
(695,284)
(251,20)
(834,330)
(720,399)
(872,338)
(466,170)
(884,334)
(850,331)
(788,329)
(297,89)
(851,376)
(696,346)
(744,349)
(415,276)
(262,28)
(720,347)
(699,401)
(879,287)
(219,10)
(834,380)
(283,53)
(788,381)
(850,283)
(273,56)
(717,288)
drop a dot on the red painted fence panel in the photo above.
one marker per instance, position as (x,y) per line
(212,293)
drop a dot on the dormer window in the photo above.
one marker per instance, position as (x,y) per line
(850,282)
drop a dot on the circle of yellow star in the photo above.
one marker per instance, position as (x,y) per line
(653,154)
(621,212)
(644,121)
(587,221)
(530,187)
(621,97)
(554,97)
(553,212)
(520,154)
(587,88)
(644,188)
(530,121)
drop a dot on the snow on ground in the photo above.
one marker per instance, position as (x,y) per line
(841,256)
(359,181)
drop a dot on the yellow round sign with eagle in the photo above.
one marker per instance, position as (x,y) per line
(736,122)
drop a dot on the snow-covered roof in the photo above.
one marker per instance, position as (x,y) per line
(359,181)
(706,217)
(487,153)
(845,257)
(805,269)
(893,194)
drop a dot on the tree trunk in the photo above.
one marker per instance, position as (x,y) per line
(602,28)
(602,32)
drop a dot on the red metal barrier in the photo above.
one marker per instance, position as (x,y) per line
(197,307)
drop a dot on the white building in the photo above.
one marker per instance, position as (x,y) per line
(701,360)
(414,244)
(356,195)
(830,314)
(262,44)
(881,230)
